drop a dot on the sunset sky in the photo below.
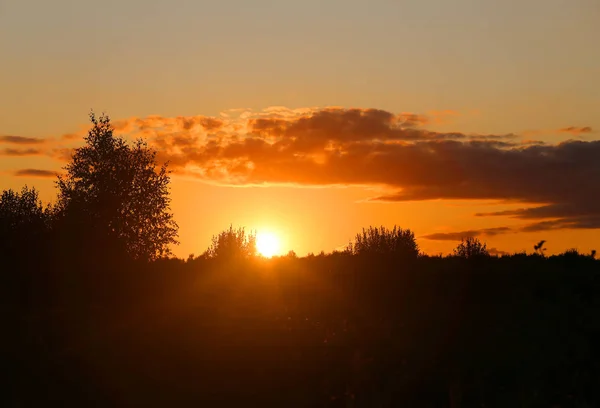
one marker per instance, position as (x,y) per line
(314,119)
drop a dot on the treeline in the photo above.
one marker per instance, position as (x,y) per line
(97,312)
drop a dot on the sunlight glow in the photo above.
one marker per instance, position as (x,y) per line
(267,244)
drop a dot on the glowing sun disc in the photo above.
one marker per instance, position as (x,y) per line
(267,244)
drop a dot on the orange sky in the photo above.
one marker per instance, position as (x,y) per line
(316,176)
(447,110)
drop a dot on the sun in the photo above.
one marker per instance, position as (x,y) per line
(267,244)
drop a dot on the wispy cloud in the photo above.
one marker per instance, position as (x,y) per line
(575,130)
(20,152)
(333,146)
(35,173)
(457,236)
(21,140)
(396,151)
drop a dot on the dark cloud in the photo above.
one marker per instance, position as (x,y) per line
(20,140)
(35,173)
(458,236)
(317,130)
(561,178)
(556,183)
(375,147)
(570,222)
(580,213)
(532,142)
(20,152)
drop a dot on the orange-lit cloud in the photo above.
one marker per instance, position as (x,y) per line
(574,130)
(375,147)
(337,146)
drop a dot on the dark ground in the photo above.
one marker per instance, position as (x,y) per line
(313,332)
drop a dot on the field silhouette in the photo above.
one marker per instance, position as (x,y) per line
(97,312)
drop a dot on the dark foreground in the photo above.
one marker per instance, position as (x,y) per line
(313,332)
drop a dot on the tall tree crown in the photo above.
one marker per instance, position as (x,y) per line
(119,191)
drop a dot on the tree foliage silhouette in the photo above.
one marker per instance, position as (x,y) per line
(384,241)
(23,219)
(21,210)
(471,247)
(232,244)
(119,192)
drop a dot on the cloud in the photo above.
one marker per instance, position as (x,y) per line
(178,123)
(458,236)
(375,147)
(561,179)
(336,146)
(573,213)
(574,130)
(336,125)
(35,173)
(532,142)
(21,140)
(572,222)
(20,152)
(556,183)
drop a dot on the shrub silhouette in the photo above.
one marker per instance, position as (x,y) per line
(384,241)
(471,247)
(232,244)
(116,191)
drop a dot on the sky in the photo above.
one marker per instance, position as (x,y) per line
(314,119)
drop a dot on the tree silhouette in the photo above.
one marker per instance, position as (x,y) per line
(117,192)
(232,244)
(384,241)
(471,247)
(22,209)
(23,219)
